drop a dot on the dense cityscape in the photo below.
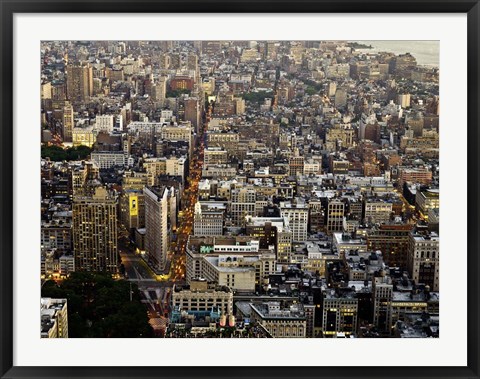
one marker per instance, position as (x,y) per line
(238,189)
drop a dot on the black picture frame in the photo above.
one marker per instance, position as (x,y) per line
(10,7)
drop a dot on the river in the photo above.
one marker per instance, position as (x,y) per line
(427,53)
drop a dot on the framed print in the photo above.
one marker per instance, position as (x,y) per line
(207,189)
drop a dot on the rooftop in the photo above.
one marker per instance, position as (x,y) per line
(275,310)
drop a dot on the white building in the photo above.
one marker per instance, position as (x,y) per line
(297,215)
(104,123)
(156,225)
(109,159)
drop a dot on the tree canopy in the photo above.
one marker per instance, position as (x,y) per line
(100,307)
(257,97)
(58,154)
(176,92)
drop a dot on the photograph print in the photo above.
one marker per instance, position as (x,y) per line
(239,189)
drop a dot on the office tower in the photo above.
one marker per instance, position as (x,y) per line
(104,123)
(132,209)
(316,217)
(340,98)
(297,215)
(58,90)
(403,100)
(192,112)
(156,225)
(393,241)
(424,259)
(68,122)
(79,83)
(95,232)
(335,214)
(46,91)
(242,205)
(192,62)
(239,105)
(340,312)
(382,303)
(296,164)
(272,231)
(175,61)
(208,219)
(160,90)
(332,89)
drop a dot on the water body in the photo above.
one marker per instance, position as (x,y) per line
(427,53)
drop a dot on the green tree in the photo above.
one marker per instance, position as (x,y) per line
(58,154)
(256,97)
(100,307)
(177,92)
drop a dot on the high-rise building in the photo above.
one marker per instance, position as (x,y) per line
(58,90)
(340,98)
(382,303)
(272,231)
(68,122)
(192,112)
(423,259)
(79,82)
(160,90)
(335,214)
(95,232)
(46,91)
(156,225)
(393,241)
(332,89)
(297,215)
(132,209)
(340,312)
(208,219)
(296,165)
(403,100)
(104,123)
(192,62)
(242,205)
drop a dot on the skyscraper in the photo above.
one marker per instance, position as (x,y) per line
(79,83)
(192,112)
(156,225)
(423,259)
(95,232)
(68,122)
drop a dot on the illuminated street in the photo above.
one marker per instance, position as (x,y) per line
(177,269)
